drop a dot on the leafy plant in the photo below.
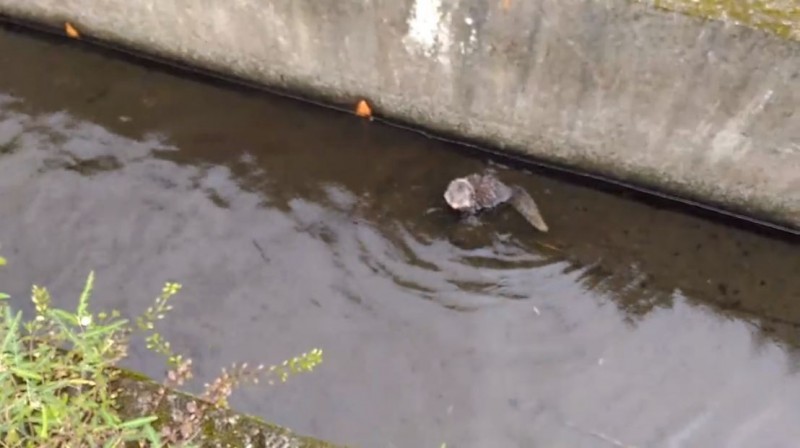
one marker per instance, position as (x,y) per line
(58,373)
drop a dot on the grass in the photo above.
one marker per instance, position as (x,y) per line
(59,380)
(781,17)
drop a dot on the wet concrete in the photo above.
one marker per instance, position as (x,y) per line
(293,227)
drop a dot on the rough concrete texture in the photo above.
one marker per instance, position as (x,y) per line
(699,109)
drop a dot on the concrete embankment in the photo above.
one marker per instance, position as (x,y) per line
(699,109)
(221,427)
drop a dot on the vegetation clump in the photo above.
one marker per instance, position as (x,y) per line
(60,384)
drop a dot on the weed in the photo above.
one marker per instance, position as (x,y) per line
(58,370)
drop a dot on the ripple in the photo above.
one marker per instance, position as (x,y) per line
(437,270)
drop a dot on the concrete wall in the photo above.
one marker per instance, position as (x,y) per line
(699,109)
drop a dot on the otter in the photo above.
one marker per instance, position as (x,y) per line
(476,192)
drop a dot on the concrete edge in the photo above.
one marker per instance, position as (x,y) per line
(222,427)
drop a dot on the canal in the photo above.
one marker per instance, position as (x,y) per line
(291,226)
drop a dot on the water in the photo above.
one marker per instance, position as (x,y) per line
(293,227)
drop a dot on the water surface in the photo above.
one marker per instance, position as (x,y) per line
(293,227)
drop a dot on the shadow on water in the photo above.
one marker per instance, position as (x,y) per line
(293,227)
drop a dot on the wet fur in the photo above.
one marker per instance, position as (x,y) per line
(486,192)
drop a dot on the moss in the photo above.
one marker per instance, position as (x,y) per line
(130,374)
(221,428)
(781,17)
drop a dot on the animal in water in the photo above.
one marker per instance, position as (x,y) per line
(477,192)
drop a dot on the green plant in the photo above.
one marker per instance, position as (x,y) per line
(58,373)
(55,376)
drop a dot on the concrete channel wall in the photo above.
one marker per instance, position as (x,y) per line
(703,110)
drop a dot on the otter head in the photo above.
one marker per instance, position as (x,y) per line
(460,195)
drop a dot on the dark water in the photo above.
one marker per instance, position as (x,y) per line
(293,227)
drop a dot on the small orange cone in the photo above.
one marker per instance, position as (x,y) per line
(71,31)
(506,5)
(363,110)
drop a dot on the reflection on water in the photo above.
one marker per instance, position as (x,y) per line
(293,227)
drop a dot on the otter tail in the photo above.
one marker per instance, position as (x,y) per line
(524,204)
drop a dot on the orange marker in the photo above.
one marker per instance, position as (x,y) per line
(363,110)
(71,31)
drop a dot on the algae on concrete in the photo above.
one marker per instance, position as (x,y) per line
(781,17)
(222,428)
